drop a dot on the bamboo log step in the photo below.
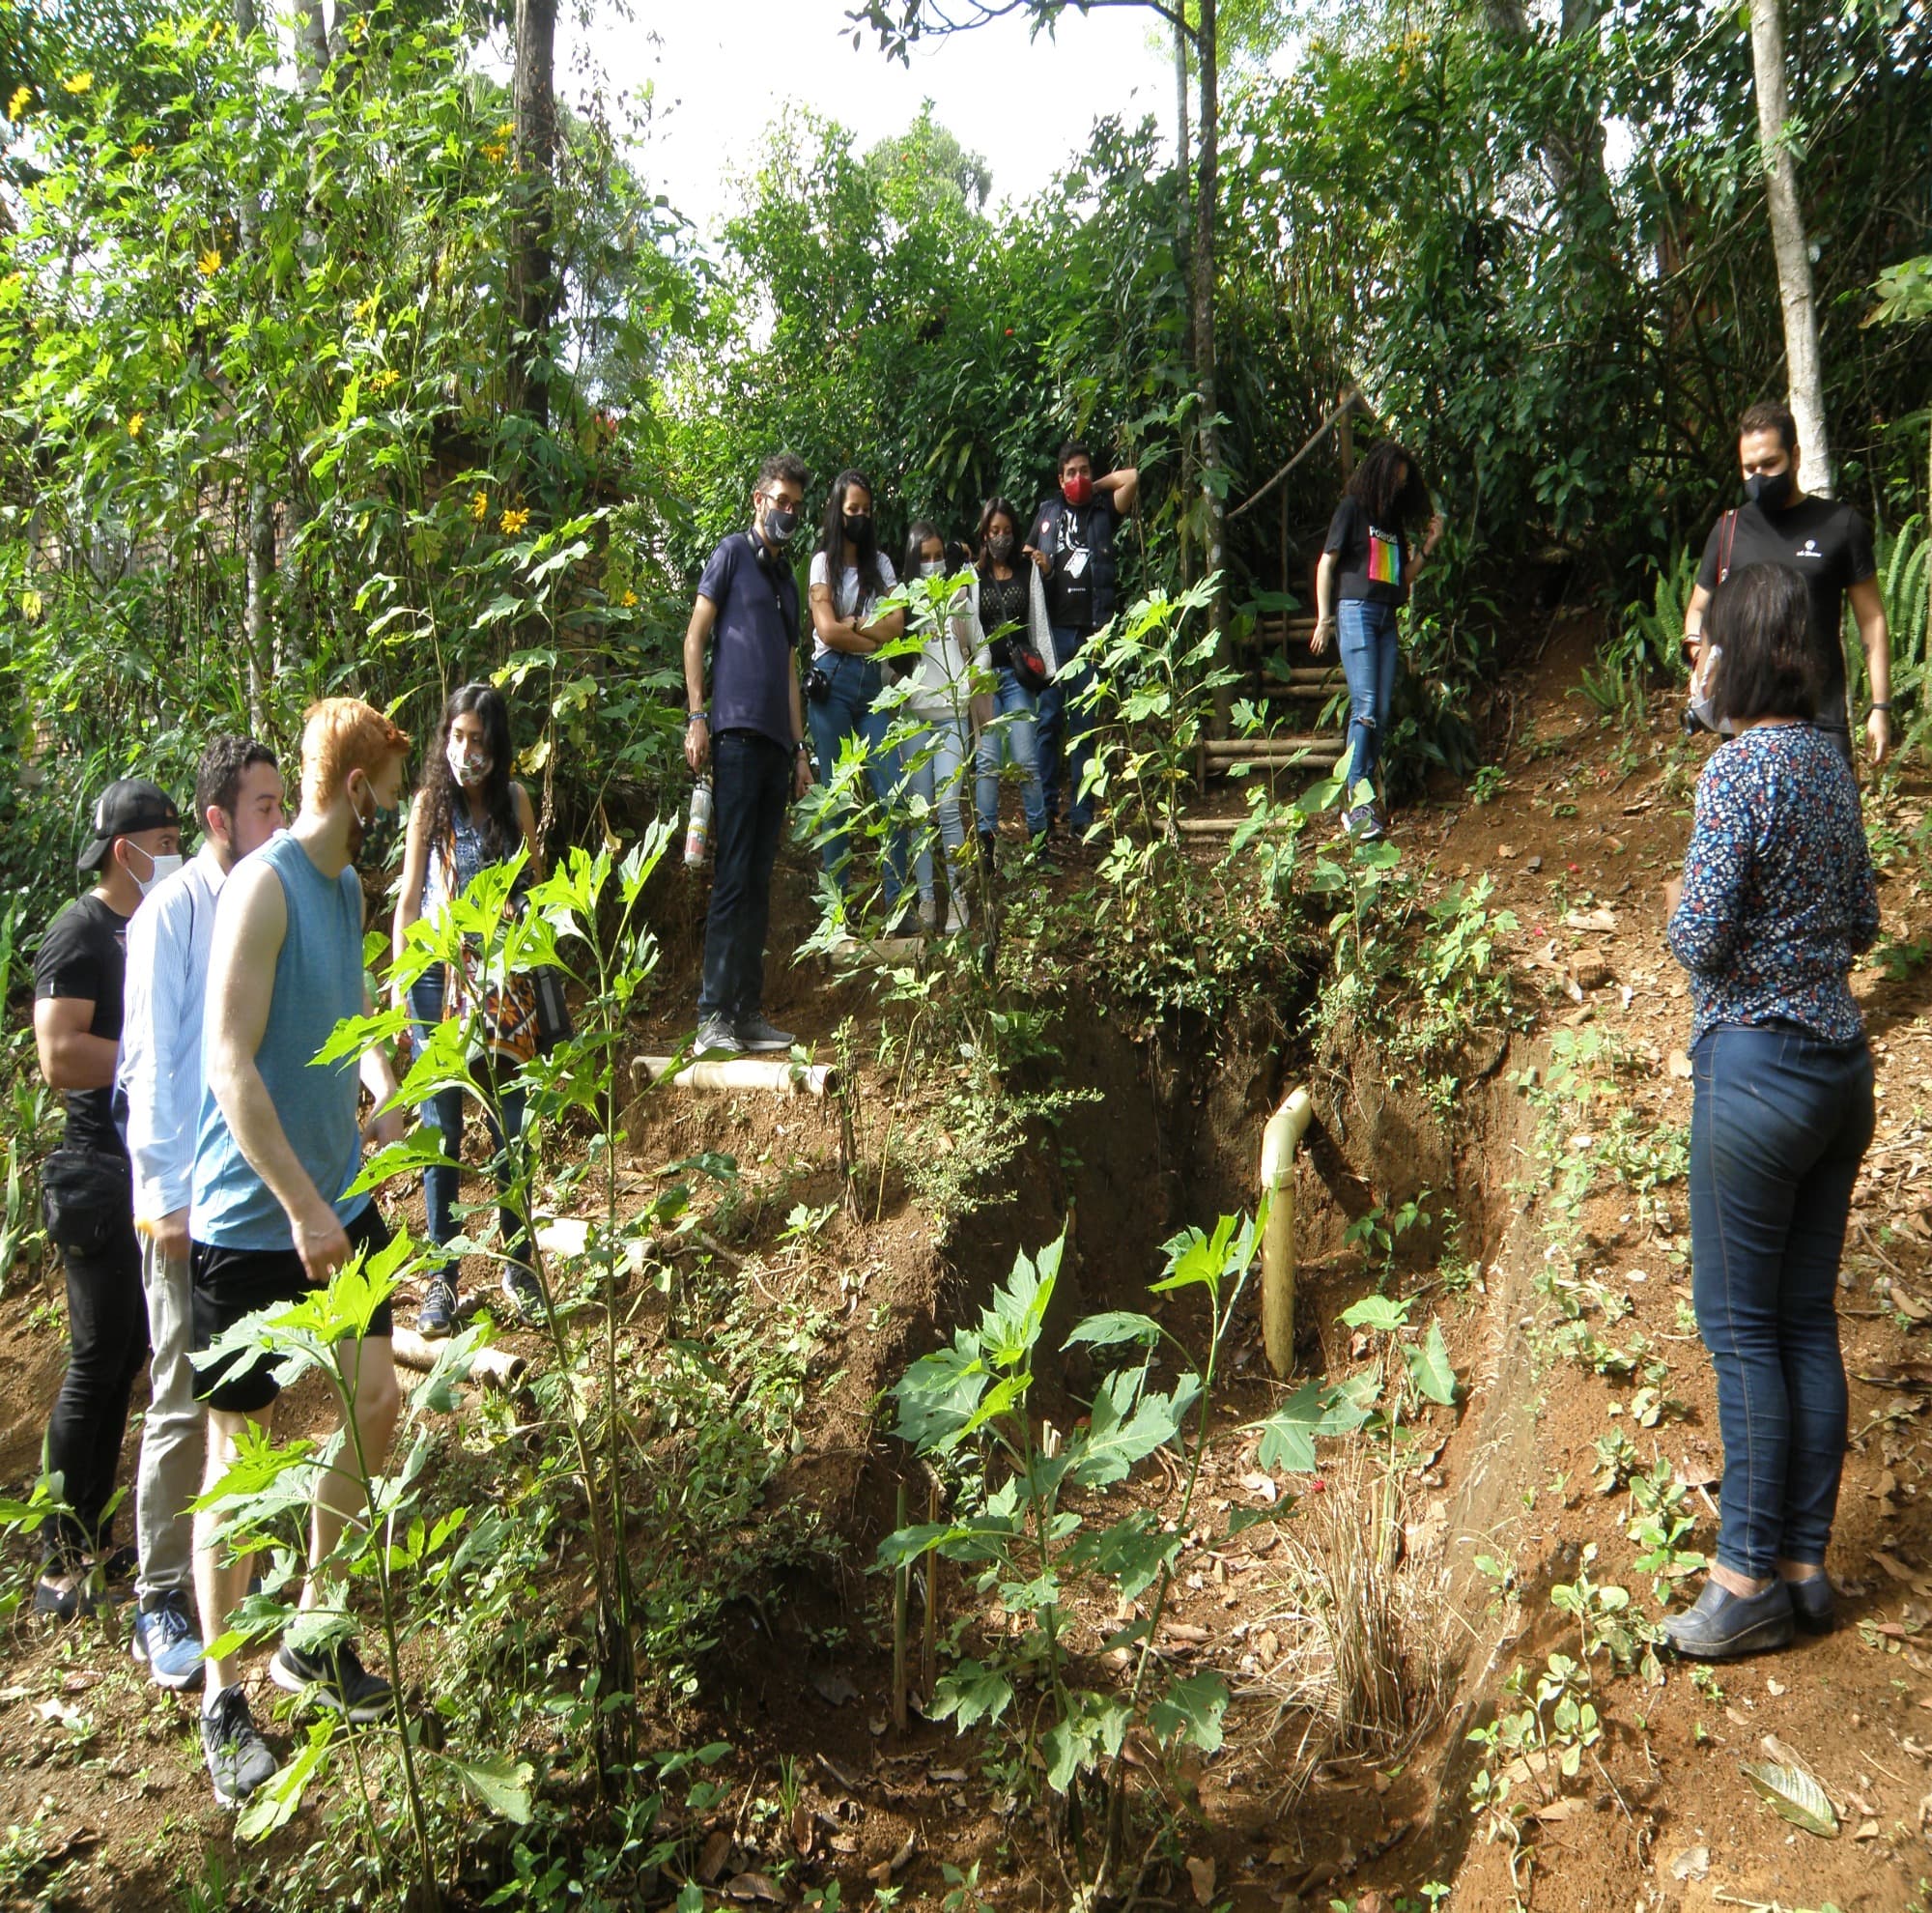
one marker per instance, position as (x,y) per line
(1284,745)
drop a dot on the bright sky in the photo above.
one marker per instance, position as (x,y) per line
(723,69)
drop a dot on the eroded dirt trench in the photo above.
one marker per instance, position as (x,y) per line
(1554,1260)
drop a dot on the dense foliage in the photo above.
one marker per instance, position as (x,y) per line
(244,311)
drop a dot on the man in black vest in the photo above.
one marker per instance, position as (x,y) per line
(1828,546)
(1073,546)
(754,738)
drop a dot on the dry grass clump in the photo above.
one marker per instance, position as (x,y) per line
(1363,1661)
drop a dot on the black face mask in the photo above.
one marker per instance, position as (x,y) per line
(781,522)
(858,526)
(1001,549)
(1769,491)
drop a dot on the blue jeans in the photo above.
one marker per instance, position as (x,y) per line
(1366,635)
(1779,1124)
(847,711)
(1063,728)
(444,1111)
(751,783)
(1014,737)
(935,771)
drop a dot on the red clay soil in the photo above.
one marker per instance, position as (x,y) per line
(1661,1816)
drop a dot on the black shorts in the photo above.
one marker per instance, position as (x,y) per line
(228,1283)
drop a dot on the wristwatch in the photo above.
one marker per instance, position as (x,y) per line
(696,717)
(1885,708)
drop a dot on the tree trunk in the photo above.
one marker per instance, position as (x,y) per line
(533,156)
(1207,196)
(260,556)
(1184,207)
(311,44)
(1803,366)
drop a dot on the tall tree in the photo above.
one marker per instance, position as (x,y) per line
(533,160)
(1804,368)
(1194,24)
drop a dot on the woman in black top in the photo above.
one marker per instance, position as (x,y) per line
(1004,589)
(1367,567)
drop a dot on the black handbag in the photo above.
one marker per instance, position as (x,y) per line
(553,1024)
(86,1200)
(1026,665)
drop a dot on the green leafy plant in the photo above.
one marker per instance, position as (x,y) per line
(1014,1529)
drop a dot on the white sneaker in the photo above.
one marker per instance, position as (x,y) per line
(957,916)
(928,912)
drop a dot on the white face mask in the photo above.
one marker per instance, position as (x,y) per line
(468,767)
(931,567)
(161,868)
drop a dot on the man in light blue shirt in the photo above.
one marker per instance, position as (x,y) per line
(238,800)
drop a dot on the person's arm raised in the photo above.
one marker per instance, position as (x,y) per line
(249,928)
(1125,486)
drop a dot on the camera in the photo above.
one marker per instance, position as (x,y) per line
(817,686)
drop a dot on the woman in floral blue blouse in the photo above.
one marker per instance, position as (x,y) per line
(1776,902)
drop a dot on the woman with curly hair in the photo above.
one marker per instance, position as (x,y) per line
(1367,567)
(469,814)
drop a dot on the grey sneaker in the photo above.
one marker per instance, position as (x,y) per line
(717,1038)
(928,913)
(238,1761)
(957,916)
(761,1036)
(338,1680)
(437,1315)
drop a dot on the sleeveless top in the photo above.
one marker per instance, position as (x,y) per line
(318,981)
(453,865)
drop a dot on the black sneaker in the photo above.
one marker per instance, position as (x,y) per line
(65,1593)
(437,1315)
(338,1680)
(762,1036)
(521,1290)
(238,1761)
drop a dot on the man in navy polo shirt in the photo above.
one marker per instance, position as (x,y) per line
(754,738)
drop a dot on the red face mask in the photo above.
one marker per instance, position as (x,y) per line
(1077,490)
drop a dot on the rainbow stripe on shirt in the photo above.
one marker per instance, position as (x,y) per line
(1385,559)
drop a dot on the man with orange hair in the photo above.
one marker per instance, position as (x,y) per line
(277,1145)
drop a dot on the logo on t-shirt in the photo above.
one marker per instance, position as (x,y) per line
(1809,549)
(1385,557)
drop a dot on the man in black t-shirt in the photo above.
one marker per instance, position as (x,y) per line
(1072,544)
(1827,544)
(88,1188)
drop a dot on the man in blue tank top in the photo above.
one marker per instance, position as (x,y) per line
(278,1143)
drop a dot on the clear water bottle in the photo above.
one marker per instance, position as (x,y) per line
(697,832)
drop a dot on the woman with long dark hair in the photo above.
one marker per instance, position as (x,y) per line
(1367,567)
(1008,607)
(1777,899)
(468,813)
(850,577)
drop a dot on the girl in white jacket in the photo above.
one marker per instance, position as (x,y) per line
(939,697)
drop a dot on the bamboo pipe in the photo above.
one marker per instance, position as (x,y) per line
(1280,745)
(1285,1129)
(496,1368)
(743,1072)
(850,953)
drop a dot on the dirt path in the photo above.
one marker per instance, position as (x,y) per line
(1577,1201)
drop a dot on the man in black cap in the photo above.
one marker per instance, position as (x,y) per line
(87,1184)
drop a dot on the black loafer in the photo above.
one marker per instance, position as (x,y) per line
(1814,1607)
(1722,1626)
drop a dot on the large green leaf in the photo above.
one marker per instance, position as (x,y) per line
(1192,1709)
(971,1693)
(1315,1408)
(498,1783)
(1429,1368)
